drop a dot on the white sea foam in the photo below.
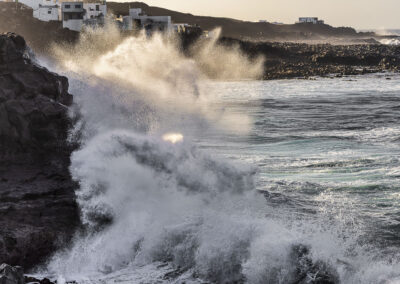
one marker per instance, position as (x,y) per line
(393,41)
(151,207)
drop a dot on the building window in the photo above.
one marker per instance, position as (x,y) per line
(67,6)
(78,6)
(97,8)
(49,12)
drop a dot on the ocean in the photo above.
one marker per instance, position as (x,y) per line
(189,180)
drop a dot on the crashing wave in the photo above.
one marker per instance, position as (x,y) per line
(156,211)
(393,41)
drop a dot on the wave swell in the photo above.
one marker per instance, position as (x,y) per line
(156,211)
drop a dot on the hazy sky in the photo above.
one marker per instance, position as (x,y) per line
(362,14)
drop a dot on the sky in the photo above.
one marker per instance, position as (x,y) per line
(360,14)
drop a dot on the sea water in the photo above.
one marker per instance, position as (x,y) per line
(288,181)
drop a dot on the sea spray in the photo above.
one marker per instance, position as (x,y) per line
(159,200)
(392,41)
(154,73)
(140,189)
(149,205)
(225,62)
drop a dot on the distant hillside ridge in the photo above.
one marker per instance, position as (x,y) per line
(244,29)
(18,18)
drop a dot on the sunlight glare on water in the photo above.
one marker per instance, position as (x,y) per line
(173,137)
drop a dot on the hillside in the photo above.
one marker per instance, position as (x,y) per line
(242,29)
(18,18)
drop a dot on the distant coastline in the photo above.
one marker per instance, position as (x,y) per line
(291,51)
(22,22)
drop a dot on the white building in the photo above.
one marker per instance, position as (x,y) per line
(94,14)
(44,10)
(136,13)
(34,4)
(94,10)
(137,19)
(180,28)
(48,10)
(75,15)
(312,20)
(72,15)
(47,13)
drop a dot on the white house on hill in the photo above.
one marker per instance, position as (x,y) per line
(48,10)
(312,20)
(72,15)
(138,19)
(34,4)
(44,10)
(75,15)
(94,10)
(47,13)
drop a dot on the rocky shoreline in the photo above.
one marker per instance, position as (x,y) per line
(355,53)
(300,60)
(38,210)
(15,275)
(37,200)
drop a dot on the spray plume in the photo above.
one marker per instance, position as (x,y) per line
(145,200)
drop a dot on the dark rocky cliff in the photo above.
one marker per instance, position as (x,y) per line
(293,60)
(38,212)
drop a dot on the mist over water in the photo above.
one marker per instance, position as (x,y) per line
(157,209)
(394,41)
(156,198)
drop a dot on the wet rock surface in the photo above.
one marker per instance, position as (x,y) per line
(38,212)
(32,280)
(308,271)
(11,275)
(293,60)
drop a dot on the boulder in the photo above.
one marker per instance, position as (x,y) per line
(32,280)
(11,275)
(33,101)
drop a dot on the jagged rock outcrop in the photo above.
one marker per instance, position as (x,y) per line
(38,212)
(33,101)
(11,275)
(293,60)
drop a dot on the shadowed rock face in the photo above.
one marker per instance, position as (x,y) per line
(38,212)
(11,275)
(33,101)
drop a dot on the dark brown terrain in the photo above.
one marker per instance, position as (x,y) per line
(294,60)
(283,59)
(18,18)
(38,212)
(243,29)
(39,35)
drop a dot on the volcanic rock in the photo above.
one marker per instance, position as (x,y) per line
(299,60)
(11,275)
(38,212)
